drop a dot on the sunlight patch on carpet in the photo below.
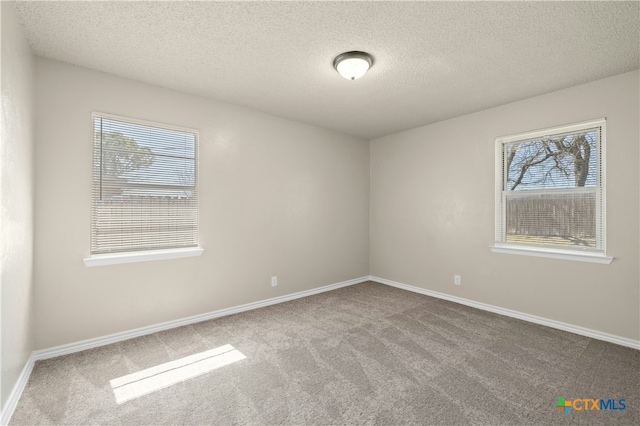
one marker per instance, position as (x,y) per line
(143,382)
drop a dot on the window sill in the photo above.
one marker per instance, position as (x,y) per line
(141,256)
(553,254)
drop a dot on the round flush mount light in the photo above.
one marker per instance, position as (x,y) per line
(352,65)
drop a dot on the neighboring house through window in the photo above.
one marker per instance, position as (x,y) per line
(550,192)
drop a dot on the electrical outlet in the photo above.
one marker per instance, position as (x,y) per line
(457,280)
(274,281)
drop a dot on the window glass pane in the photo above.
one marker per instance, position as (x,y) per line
(560,161)
(552,219)
(164,177)
(145,161)
(144,187)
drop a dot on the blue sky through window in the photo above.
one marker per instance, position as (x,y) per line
(171,170)
(560,161)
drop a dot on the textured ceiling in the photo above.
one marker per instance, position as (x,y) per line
(433,60)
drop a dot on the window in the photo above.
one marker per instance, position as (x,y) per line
(550,193)
(145,188)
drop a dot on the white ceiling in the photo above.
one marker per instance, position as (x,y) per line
(433,60)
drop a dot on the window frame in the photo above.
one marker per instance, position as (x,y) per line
(502,246)
(151,254)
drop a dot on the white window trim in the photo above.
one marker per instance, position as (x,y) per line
(142,122)
(549,252)
(147,255)
(552,253)
(141,256)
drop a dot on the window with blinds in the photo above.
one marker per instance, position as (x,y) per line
(145,186)
(550,188)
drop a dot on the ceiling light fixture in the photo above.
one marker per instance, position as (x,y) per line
(353,65)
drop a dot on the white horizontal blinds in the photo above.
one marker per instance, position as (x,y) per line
(145,192)
(563,219)
(552,190)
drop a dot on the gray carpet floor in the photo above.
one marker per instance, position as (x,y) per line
(364,354)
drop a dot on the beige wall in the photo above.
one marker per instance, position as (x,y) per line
(283,198)
(432,211)
(277,198)
(16,201)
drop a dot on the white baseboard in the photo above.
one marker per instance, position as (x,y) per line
(12,402)
(14,397)
(623,341)
(16,392)
(126,335)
